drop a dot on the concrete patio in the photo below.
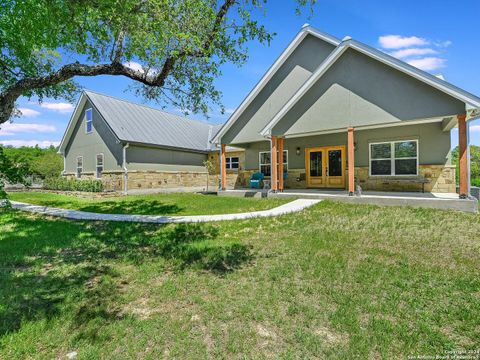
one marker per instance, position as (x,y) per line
(445,201)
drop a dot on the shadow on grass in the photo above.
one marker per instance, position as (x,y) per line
(137,207)
(54,266)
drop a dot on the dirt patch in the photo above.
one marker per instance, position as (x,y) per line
(330,336)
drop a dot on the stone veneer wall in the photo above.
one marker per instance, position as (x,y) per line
(441,178)
(113,181)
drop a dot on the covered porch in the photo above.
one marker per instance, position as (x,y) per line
(410,156)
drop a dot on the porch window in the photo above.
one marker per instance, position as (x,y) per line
(79,167)
(88,121)
(394,158)
(232,163)
(265,161)
(99,165)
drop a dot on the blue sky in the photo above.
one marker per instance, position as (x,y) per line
(438,36)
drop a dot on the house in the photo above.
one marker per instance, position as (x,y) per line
(134,147)
(328,113)
(333,113)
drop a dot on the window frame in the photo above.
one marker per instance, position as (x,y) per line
(79,167)
(229,163)
(97,166)
(88,121)
(393,158)
(260,164)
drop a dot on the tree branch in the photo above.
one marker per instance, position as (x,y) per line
(66,72)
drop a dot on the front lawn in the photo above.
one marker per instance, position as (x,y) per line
(152,204)
(335,281)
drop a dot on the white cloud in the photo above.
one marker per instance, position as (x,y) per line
(474,128)
(134,66)
(405,53)
(444,44)
(60,107)
(229,111)
(428,63)
(19,143)
(29,112)
(9,129)
(398,41)
(414,50)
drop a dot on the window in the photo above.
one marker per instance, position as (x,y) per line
(99,165)
(79,166)
(232,163)
(88,121)
(264,162)
(395,158)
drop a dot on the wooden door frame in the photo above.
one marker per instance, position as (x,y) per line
(325,150)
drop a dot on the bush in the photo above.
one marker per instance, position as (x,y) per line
(64,184)
(48,165)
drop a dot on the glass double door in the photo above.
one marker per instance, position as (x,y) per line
(325,167)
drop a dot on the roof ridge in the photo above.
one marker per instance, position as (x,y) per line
(148,107)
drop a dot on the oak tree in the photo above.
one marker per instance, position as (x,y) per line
(172,49)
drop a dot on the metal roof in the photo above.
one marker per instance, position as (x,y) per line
(135,123)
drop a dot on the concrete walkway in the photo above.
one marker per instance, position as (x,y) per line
(291,207)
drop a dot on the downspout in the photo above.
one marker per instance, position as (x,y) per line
(125,170)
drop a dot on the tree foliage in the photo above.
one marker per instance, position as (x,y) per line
(11,171)
(37,162)
(177,46)
(474,164)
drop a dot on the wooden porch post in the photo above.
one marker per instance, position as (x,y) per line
(280,163)
(463,156)
(274,164)
(351,162)
(223,167)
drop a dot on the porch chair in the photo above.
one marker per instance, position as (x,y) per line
(256,180)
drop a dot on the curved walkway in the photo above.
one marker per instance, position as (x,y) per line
(291,207)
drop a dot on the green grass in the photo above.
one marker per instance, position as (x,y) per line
(152,204)
(336,281)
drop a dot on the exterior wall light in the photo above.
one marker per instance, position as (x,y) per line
(298,151)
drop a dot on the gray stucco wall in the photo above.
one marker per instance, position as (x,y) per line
(286,81)
(100,140)
(148,158)
(358,90)
(434,144)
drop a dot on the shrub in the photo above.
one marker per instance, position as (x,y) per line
(63,184)
(48,165)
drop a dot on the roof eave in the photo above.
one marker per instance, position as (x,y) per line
(68,131)
(167,147)
(271,71)
(266,131)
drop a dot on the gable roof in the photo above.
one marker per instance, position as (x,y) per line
(306,30)
(140,124)
(440,84)
(469,99)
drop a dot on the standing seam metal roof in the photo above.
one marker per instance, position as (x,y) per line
(141,124)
